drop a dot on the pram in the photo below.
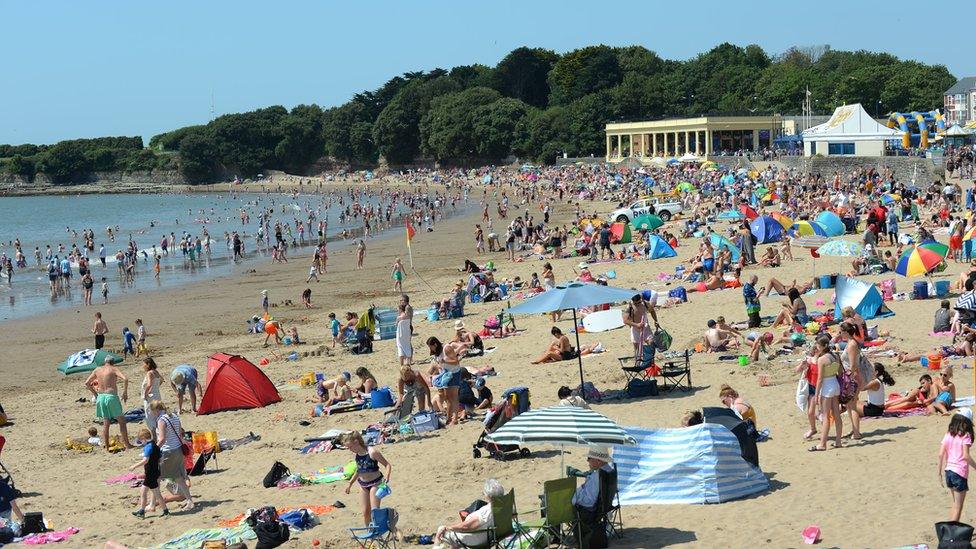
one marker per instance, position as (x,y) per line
(514,401)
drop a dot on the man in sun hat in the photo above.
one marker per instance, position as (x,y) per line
(591,533)
(183,379)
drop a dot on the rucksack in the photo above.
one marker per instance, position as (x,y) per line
(270,531)
(848,388)
(278,471)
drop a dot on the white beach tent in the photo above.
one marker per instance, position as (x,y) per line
(700,464)
(853,130)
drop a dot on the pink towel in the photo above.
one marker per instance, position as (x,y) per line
(50,537)
(128,477)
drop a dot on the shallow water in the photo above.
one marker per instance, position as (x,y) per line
(39,221)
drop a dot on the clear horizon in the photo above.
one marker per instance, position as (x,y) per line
(118,68)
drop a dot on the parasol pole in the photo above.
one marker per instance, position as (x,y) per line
(579,356)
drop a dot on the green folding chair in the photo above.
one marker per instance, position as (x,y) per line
(560,516)
(503,515)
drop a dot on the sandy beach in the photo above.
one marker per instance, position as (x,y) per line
(864,495)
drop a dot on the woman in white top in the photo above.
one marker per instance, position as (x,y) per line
(403,344)
(169,436)
(150,390)
(875,389)
(446,376)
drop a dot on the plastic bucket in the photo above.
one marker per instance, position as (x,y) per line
(920,290)
(941,288)
(743,360)
(825,281)
(935,361)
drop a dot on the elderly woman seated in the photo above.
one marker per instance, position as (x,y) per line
(471,532)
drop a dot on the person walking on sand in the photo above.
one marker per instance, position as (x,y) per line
(169,436)
(264,301)
(360,254)
(99,329)
(104,381)
(955,460)
(398,275)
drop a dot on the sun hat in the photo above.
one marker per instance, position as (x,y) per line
(347,376)
(458,324)
(177,378)
(264,292)
(965,412)
(583,265)
(601,453)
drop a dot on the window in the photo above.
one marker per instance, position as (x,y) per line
(834,149)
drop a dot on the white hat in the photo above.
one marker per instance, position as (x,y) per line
(264,292)
(601,453)
(583,265)
(458,324)
(965,412)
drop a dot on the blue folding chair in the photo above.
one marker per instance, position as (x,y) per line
(380,533)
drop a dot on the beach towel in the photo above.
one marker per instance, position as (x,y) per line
(128,478)
(920,411)
(81,358)
(313,510)
(49,537)
(193,539)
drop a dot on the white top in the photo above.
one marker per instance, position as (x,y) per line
(153,393)
(877,396)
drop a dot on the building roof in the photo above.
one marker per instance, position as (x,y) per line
(962,86)
(850,123)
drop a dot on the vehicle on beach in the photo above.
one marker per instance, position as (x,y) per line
(660,207)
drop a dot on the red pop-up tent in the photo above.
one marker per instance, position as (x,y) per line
(234,383)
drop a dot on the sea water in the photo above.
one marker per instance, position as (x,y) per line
(146,219)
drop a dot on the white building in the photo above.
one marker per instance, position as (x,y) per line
(850,131)
(960,102)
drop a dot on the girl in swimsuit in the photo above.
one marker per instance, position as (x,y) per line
(368,475)
(446,376)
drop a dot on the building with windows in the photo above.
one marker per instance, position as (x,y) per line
(700,136)
(850,131)
(959,102)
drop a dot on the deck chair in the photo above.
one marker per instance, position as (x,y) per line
(636,367)
(609,502)
(402,412)
(558,514)
(503,514)
(677,375)
(380,533)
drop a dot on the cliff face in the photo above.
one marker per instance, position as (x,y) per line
(98,182)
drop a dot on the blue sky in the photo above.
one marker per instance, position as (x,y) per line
(92,68)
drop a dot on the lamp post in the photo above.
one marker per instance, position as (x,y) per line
(877,111)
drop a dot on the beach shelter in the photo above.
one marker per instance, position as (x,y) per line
(864,297)
(748,212)
(86,361)
(718,241)
(831,223)
(620,233)
(730,215)
(785,221)
(743,431)
(693,465)
(658,248)
(766,229)
(808,228)
(234,383)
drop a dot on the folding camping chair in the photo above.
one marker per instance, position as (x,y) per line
(206,444)
(499,329)
(402,412)
(636,367)
(381,531)
(504,516)
(609,502)
(558,513)
(677,376)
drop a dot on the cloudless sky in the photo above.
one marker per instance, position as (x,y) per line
(94,68)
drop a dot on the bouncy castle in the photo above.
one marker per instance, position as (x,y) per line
(917,127)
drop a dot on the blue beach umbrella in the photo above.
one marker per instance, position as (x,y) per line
(841,248)
(730,215)
(573,296)
(831,223)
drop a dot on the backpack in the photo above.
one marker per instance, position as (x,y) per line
(662,339)
(270,531)
(278,471)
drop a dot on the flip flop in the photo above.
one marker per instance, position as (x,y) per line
(816,449)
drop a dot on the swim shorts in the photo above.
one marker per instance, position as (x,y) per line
(108,406)
(945,398)
(701,287)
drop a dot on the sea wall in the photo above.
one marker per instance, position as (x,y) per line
(923,170)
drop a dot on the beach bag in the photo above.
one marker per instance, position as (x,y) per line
(662,339)
(271,534)
(278,471)
(424,422)
(679,294)
(888,289)
(848,389)
(639,388)
(298,519)
(802,394)
(954,535)
(492,323)
(589,392)
(33,524)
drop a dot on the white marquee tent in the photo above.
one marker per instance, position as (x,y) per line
(850,131)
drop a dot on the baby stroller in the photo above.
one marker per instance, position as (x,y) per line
(514,401)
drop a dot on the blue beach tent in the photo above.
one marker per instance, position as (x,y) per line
(766,229)
(659,248)
(864,297)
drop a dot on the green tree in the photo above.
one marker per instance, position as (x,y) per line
(198,157)
(583,71)
(588,118)
(470,76)
(447,130)
(337,132)
(301,141)
(498,128)
(65,162)
(548,134)
(913,86)
(522,75)
(397,128)
(362,148)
